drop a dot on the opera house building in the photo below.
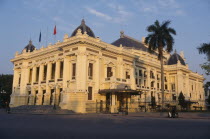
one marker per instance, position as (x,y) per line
(86,75)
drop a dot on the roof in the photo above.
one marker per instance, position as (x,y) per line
(175,58)
(84,28)
(129,42)
(30,47)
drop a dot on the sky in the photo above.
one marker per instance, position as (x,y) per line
(22,20)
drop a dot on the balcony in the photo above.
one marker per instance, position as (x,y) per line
(35,83)
(28,83)
(42,82)
(52,80)
(59,80)
(90,77)
(119,80)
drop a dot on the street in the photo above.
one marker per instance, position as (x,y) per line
(100,126)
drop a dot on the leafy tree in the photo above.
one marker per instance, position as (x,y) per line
(5,88)
(208,100)
(160,37)
(205,49)
(182,101)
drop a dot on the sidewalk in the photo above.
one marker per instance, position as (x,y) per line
(184,115)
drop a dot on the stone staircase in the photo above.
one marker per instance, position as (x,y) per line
(39,109)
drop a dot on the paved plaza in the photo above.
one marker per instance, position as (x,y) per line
(104,126)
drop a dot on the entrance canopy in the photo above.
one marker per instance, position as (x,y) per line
(119,91)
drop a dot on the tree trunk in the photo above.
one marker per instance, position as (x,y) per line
(162,80)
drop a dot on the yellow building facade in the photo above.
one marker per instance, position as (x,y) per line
(84,74)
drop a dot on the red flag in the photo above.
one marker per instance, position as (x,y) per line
(54,30)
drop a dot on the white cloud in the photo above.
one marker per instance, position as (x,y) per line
(99,14)
(160,7)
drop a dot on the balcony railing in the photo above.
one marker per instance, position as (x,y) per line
(60,79)
(43,81)
(90,77)
(35,83)
(52,80)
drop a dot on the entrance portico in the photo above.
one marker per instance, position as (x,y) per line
(117,100)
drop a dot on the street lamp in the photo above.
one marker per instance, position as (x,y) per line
(145,101)
(126,87)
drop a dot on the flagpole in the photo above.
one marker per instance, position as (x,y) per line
(47,36)
(54,33)
(40,39)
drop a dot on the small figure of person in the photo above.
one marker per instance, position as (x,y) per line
(173,112)
(7,107)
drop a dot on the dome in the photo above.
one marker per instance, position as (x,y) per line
(83,28)
(30,47)
(174,59)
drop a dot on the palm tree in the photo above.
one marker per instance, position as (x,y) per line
(205,49)
(160,37)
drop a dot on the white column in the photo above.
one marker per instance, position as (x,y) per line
(41,73)
(81,71)
(49,70)
(33,75)
(66,71)
(57,71)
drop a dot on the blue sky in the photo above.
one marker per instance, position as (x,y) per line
(21,20)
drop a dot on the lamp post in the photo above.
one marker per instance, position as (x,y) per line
(145,95)
(126,88)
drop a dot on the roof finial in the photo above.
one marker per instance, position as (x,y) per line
(121,34)
(83,21)
(30,42)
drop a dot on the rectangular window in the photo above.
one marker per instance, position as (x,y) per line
(139,81)
(37,74)
(45,73)
(166,87)
(140,72)
(61,69)
(90,70)
(74,71)
(136,81)
(19,80)
(90,93)
(30,75)
(109,71)
(53,71)
(173,87)
(152,84)
(158,85)
(145,83)
(127,75)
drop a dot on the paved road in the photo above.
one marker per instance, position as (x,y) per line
(100,127)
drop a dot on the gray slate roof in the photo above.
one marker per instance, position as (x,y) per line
(83,28)
(174,59)
(30,47)
(127,41)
